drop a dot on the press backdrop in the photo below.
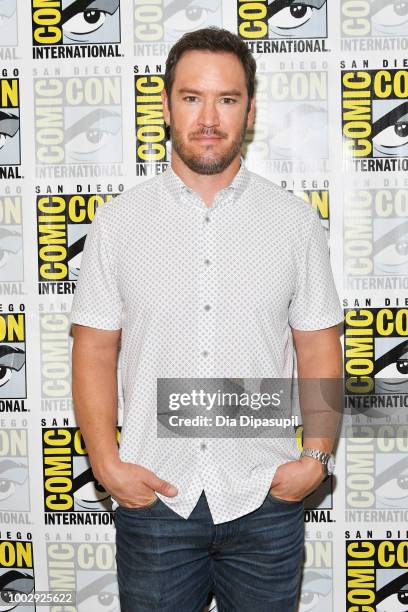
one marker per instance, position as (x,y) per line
(80,122)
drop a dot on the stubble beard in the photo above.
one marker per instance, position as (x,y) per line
(204,163)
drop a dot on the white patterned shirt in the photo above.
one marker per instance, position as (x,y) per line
(205,292)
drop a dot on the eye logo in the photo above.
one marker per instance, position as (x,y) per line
(9,122)
(393,595)
(316,592)
(8,23)
(94,132)
(13,474)
(11,239)
(14,471)
(391,481)
(15,580)
(88,493)
(12,356)
(282,19)
(75,22)
(390,130)
(390,251)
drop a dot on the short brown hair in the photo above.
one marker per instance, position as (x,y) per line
(211,39)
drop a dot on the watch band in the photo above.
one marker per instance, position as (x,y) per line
(320,456)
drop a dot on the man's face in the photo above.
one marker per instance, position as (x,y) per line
(208,114)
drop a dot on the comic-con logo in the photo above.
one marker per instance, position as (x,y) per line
(79,28)
(387,19)
(14,481)
(8,25)
(78,122)
(375,118)
(17,572)
(11,238)
(376,238)
(152,144)
(62,225)
(376,355)
(9,127)
(89,569)
(377,471)
(376,575)
(276,26)
(292,119)
(69,483)
(167,21)
(13,357)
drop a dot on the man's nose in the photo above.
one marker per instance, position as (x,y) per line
(208,116)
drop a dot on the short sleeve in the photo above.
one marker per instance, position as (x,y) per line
(97,301)
(315,303)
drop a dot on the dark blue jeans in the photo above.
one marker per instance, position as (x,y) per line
(170,564)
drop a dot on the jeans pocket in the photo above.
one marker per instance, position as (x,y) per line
(149,505)
(284,501)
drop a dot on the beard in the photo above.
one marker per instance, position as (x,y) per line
(207,163)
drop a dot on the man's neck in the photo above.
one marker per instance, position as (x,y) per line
(206,185)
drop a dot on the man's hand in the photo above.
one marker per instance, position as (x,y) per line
(296,479)
(132,485)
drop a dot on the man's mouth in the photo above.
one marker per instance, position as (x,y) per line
(211,137)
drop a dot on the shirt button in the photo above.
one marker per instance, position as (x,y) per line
(204,353)
(203,446)
(207,307)
(207,218)
(207,262)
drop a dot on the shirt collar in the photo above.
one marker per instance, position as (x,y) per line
(178,189)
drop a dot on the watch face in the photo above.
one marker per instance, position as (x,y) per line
(330,465)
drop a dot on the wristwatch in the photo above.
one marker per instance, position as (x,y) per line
(326,459)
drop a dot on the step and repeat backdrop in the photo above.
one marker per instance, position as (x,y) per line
(80,122)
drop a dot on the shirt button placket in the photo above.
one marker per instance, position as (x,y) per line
(207,306)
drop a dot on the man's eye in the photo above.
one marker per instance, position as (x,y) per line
(228,100)
(85,22)
(190,98)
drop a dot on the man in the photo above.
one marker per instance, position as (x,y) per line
(207,271)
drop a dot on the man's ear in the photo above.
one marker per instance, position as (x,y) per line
(166,106)
(251,113)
